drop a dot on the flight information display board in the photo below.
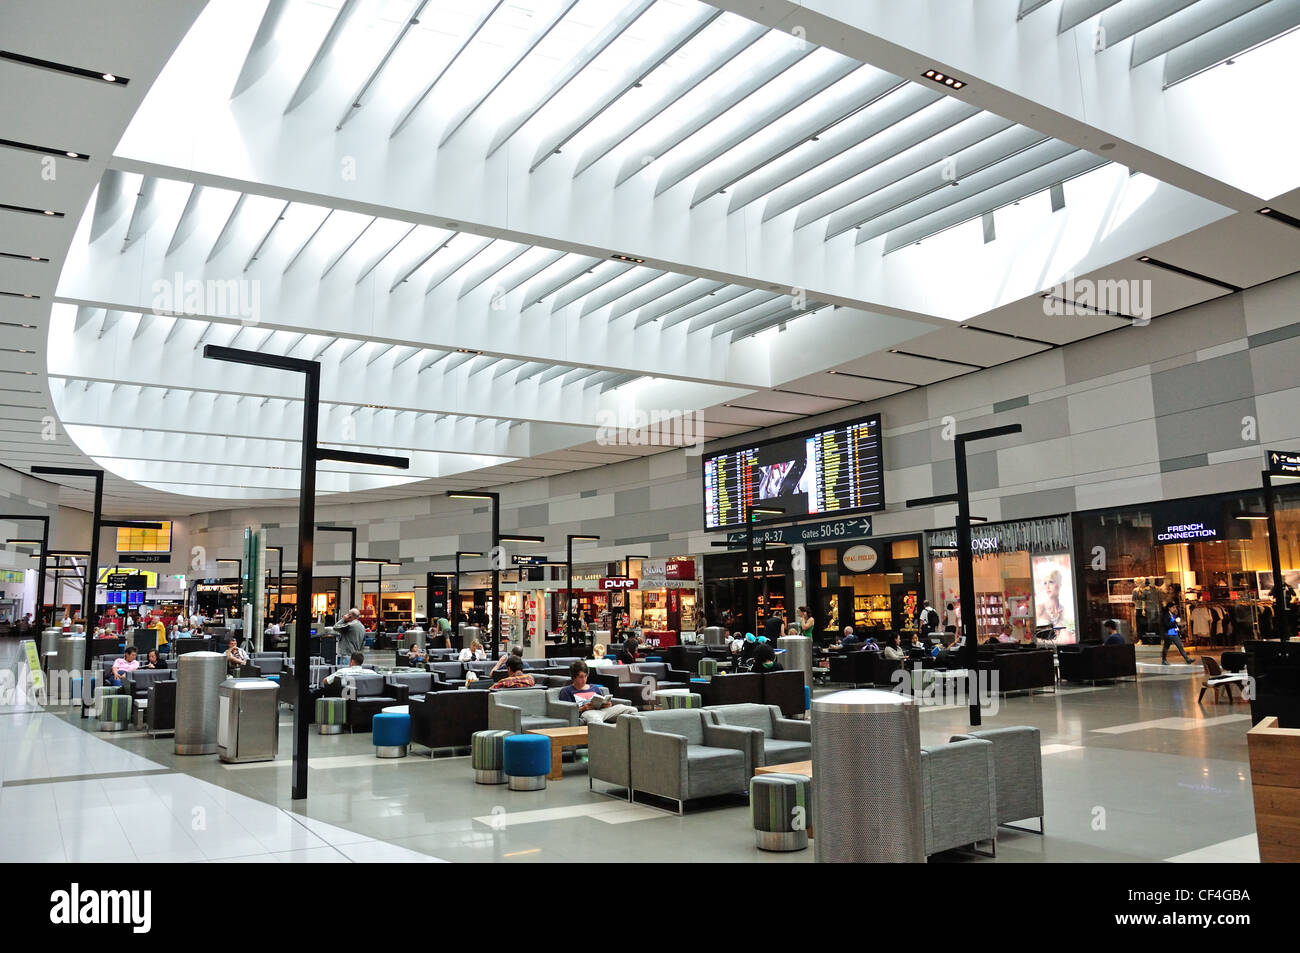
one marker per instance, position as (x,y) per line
(837,469)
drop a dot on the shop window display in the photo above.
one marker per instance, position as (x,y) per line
(872,586)
(1024,580)
(1207,555)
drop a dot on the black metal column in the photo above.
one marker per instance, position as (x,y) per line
(966,582)
(497,555)
(568,591)
(1281,614)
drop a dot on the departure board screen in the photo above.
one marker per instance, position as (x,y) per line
(838,469)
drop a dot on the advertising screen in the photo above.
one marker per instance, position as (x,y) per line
(1054,595)
(837,469)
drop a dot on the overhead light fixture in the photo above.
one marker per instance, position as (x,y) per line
(468,495)
(516,538)
(630,258)
(22,542)
(17,257)
(1250,516)
(943,79)
(95,74)
(1269,212)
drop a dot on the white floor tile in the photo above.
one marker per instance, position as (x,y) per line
(1239,850)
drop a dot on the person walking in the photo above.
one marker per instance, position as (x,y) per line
(1171,636)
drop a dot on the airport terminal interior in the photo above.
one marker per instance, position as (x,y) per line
(745,431)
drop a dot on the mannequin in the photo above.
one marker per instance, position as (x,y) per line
(1155,598)
(1139,595)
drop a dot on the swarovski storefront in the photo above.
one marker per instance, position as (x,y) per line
(1024,579)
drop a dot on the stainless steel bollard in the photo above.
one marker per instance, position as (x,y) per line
(866,755)
(198,686)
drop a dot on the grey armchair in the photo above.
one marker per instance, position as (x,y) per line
(774,739)
(607,755)
(1018,769)
(417,683)
(959,794)
(681,755)
(524,709)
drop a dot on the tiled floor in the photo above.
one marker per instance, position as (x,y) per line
(1136,771)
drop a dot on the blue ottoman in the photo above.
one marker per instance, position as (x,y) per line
(527,761)
(391,734)
(488,755)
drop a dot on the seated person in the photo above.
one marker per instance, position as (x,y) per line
(593,702)
(516,677)
(415,656)
(1006,634)
(153,661)
(340,677)
(992,639)
(764,658)
(128,663)
(501,662)
(945,643)
(474,653)
(892,651)
(848,639)
(598,654)
(629,654)
(1111,632)
(235,656)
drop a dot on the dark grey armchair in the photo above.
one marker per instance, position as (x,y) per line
(681,755)
(774,739)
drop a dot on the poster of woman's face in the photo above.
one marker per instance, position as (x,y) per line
(1054,595)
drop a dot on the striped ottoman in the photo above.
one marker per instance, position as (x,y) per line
(331,715)
(707,668)
(114,712)
(488,756)
(781,807)
(527,761)
(678,698)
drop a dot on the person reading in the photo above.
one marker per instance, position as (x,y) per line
(594,704)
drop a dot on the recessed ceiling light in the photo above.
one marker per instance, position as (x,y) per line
(943,79)
(634,260)
(70,155)
(110,78)
(1144,258)
(48,212)
(1277,216)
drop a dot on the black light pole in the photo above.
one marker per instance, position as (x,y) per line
(312,453)
(965,558)
(751,607)
(352,560)
(1285,465)
(568,582)
(44,544)
(495,500)
(454,608)
(279,576)
(97,515)
(239,574)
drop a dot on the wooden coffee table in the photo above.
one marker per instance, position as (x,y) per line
(794,767)
(571,736)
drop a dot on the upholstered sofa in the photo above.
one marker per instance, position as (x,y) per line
(1093,662)
(959,794)
(680,754)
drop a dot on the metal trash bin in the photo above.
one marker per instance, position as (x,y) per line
(71,655)
(866,756)
(50,640)
(714,635)
(198,681)
(798,655)
(248,719)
